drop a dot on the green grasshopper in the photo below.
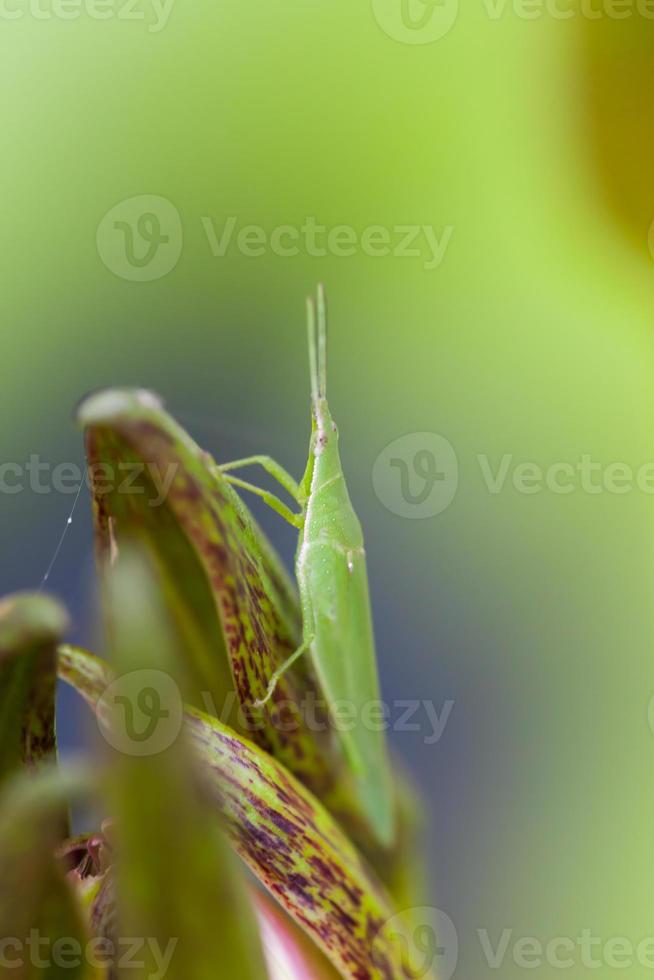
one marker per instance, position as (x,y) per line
(333,583)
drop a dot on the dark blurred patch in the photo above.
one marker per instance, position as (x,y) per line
(618,88)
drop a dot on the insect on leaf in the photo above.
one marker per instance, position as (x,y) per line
(333,582)
(225,588)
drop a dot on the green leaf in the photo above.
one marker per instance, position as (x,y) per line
(284,834)
(223,583)
(178,885)
(31,626)
(36,902)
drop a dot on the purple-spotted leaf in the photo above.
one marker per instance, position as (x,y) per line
(285,835)
(224,586)
(31,626)
(41,920)
(176,878)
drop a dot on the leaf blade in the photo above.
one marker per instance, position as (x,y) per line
(174,875)
(31,626)
(284,834)
(33,807)
(255,623)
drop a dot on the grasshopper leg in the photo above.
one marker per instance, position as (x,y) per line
(269,498)
(270,466)
(281,671)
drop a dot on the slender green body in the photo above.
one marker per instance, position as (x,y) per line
(333,583)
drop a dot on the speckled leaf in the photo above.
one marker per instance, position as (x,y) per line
(176,878)
(31,625)
(34,894)
(287,838)
(222,581)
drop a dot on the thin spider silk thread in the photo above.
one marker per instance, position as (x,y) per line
(60,543)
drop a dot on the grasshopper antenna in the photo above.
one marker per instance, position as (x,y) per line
(322,341)
(313,350)
(317,330)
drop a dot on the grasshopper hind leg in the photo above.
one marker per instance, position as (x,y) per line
(279,673)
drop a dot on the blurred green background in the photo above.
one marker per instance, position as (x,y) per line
(530,138)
